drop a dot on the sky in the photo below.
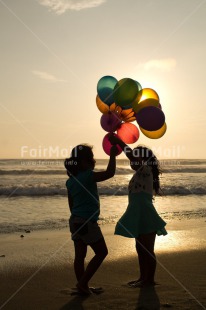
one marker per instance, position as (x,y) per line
(53,53)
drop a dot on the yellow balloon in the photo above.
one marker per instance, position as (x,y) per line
(146,93)
(103,107)
(145,103)
(155,134)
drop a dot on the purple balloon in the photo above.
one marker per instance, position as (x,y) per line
(110,122)
(150,118)
(107,145)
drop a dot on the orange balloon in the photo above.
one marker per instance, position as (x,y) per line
(115,109)
(124,115)
(145,103)
(103,107)
(154,134)
(128,115)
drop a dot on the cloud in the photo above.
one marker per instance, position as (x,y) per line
(46,76)
(167,64)
(61,6)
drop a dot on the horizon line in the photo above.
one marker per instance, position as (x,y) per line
(44,159)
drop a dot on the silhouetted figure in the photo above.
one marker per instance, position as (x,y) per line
(85,209)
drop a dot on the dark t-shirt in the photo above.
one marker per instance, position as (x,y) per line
(83,190)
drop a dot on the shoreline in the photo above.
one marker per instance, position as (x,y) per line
(46,213)
(37,270)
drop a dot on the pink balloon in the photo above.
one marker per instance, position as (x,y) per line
(128,133)
(107,145)
(110,122)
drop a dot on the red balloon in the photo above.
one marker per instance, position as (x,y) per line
(107,145)
(150,118)
(128,133)
(110,122)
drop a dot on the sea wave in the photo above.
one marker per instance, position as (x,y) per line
(115,190)
(31,172)
(119,171)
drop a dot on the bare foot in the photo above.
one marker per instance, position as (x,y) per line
(133,282)
(143,284)
(84,290)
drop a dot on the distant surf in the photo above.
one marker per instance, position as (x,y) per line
(49,190)
(47,178)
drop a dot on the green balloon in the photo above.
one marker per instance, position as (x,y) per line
(125,92)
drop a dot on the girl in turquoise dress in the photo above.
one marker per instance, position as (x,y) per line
(141,220)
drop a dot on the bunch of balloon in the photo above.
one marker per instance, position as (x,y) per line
(124,101)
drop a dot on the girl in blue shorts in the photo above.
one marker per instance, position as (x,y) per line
(141,220)
(84,205)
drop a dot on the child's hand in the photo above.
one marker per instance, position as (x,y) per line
(114,150)
(114,140)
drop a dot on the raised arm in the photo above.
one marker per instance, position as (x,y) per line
(111,167)
(125,148)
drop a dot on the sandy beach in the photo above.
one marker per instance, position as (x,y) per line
(36,271)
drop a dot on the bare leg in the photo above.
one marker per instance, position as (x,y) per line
(147,258)
(141,258)
(133,283)
(151,258)
(100,250)
(80,254)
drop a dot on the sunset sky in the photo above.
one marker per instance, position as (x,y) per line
(53,52)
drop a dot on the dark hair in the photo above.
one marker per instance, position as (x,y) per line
(79,153)
(150,159)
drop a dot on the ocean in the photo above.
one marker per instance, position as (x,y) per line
(33,194)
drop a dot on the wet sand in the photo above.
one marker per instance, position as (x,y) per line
(37,273)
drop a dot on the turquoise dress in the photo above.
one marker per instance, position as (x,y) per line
(140,216)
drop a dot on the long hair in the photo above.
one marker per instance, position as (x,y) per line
(151,160)
(80,152)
